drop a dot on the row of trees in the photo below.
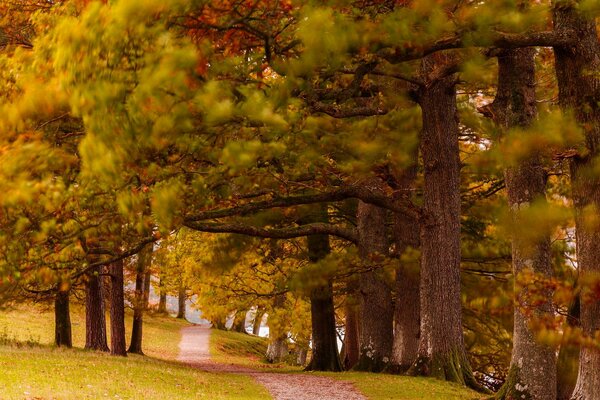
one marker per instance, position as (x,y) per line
(382,131)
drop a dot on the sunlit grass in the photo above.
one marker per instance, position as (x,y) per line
(49,373)
(35,323)
(45,372)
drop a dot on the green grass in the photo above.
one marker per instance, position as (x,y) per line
(395,387)
(46,372)
(35,324)
(237,348)
(247,350)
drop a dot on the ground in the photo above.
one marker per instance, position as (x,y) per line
(33,369)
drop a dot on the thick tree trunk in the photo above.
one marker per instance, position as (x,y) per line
(182,295)
(352,327)
(239,322)
(118,346)
(325,355)
(532,372)
(407,308)
(579,91)
(258,316)
(95,320)
(376,308)
(442,351)
(568,358)
(277,350)
(62,319)
(143,263)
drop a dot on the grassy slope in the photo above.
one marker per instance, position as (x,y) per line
(48,373)
(237,348)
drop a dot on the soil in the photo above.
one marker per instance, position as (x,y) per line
(194,350)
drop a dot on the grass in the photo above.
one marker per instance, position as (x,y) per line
(397,387)
(42,371)
(47,373)
(247,350)
(35,324)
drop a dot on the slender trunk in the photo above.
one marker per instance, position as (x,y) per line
(162,302)
(407,310)
(62,319)
(147,280)
(579,91)
(117,310)
(376,309)
(325,356)
(257,321)
(441,351)
(95,320)
(181,301)
(143,262)
(532,372)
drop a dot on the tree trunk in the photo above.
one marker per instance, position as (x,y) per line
(181,301)
(568,358)
(407,310)
(162,302)
(147,280)
(325,355)
(441,351)
(95,320)
(277,350)
(532,372)
(117,310)
(579,91)
(376,309)
(352,328)
(143,262)
(257,321)
(62,319)
(239,322)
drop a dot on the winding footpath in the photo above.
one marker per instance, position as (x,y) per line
(194,350)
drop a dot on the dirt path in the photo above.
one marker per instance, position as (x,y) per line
(194,350)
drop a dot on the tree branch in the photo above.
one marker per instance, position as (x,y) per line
(276,233)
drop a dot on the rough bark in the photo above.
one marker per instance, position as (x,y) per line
(567,364)
(441,351)
(375,299)
(579,91)
(118,346)
(532,372)
(181,297)
(351,347)
(95,320)
(62,319)
(407,308)
(143,263)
